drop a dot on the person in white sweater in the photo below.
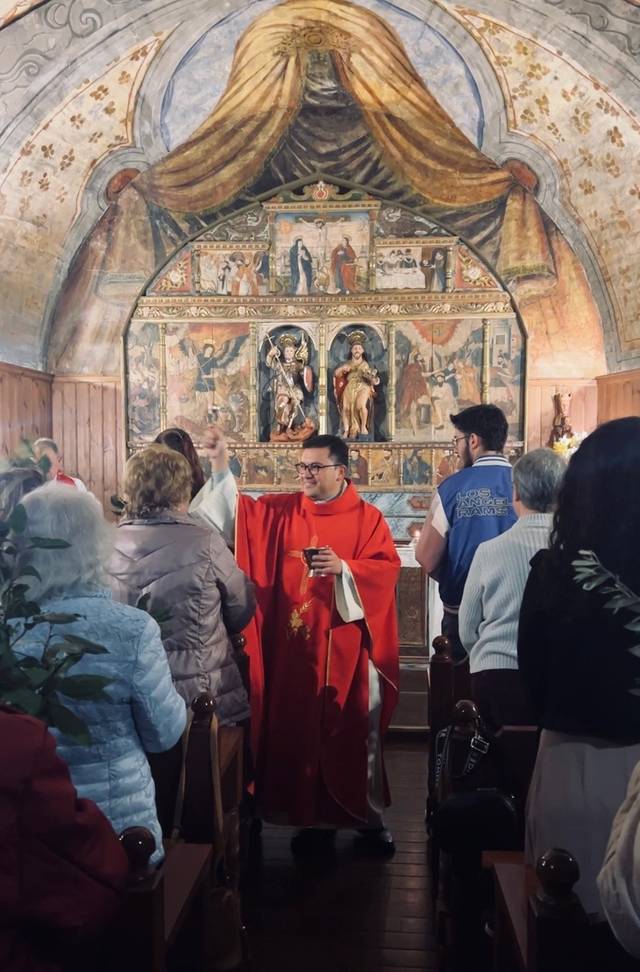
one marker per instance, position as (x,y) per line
(493,591)
(619,879)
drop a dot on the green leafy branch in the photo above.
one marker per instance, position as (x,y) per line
(591,574)
(35,685)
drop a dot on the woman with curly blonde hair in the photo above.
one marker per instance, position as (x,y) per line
(188,572)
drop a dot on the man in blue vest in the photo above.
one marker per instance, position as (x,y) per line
(473,505)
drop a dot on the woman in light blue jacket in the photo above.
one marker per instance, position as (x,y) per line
(140,711)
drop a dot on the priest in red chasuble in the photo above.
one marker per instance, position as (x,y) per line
(323,645)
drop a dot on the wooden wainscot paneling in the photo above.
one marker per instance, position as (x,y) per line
(25,406)
(88,427)
(618,395)
(583,416)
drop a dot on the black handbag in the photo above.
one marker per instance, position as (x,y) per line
(469,808)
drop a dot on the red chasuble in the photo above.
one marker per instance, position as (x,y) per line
(309,669)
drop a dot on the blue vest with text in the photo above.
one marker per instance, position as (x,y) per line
(477,502)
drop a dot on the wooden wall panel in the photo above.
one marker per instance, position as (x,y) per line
(540,411)
(618,395)
(88,426)
(25,406)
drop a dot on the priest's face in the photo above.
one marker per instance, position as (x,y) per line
(321,483)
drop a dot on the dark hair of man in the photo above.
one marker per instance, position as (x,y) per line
(180,441)
(598,506)
(487,422)
(338,448)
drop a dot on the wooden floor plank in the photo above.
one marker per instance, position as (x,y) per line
(356,914)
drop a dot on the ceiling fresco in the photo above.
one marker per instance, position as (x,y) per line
(52,191)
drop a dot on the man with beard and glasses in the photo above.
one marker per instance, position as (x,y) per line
(473,505)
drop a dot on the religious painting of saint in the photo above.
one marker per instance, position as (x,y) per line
(344,267)
(438,372)
(384,468)
(143,380)
(357,384)
(323,252)
(301,268)
(416,467)
(287,369)
(434,267)
(358,467)
(207,368)
(239,272)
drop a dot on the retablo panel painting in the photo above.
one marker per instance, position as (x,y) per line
(322,251)
(232,271)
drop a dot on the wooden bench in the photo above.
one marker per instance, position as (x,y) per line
(158,904)
(540,925)
(199,785)
(460,890)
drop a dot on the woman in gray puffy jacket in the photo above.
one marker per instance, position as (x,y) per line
(188,572)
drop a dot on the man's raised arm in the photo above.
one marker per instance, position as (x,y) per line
(216,501)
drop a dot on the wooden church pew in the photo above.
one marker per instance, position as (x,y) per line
(459,888)
(158,903)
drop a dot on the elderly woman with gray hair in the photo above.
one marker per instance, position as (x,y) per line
(490,606)
(139,710)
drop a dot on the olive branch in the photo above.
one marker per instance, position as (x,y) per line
(591,574)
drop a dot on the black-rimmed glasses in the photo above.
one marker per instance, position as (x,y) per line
(314,467)
(457,438)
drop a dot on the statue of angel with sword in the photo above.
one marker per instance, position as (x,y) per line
(292,381)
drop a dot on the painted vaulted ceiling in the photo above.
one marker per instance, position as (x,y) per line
(89,91)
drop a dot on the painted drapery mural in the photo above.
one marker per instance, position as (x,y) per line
(319,345)
(386,132)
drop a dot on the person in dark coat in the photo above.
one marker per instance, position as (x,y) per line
(62,868)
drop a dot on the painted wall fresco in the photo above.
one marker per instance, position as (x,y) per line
(595,140)
(10,9)
(41,188)
(410,148)
(194,90)
(605,212)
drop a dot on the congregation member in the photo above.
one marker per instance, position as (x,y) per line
(492,596)
(619,879)
(62,868)
(577,657)
(181,441)
(185,567)
(48,449)
(469,507)
(139,710)
(324,647)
